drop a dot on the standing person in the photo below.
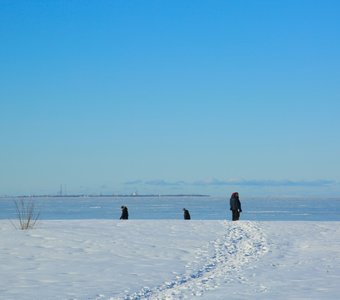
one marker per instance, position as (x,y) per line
(186,214)
(125,213)
(235,206)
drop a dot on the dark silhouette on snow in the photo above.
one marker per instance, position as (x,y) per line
(186,214)
(125,213)
(235,206)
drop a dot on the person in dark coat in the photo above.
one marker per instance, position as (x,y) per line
(186,214)
(235,206)
(125,213)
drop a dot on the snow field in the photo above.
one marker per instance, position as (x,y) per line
(170,259)
(241,243)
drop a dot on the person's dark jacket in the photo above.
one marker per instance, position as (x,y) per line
(186,214)
(125,213)
(235,203)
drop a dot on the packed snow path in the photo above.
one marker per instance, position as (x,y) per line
(219,263)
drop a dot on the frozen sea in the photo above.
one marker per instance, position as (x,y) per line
(169,208)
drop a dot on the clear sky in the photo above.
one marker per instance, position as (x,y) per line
(170,97)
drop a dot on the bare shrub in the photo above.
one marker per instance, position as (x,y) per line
(26,214)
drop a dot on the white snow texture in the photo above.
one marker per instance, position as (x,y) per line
(101,259)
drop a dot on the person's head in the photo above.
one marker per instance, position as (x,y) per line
(235,194)
(184,209)
(122,207)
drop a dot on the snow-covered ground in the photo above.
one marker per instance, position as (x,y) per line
(170,259)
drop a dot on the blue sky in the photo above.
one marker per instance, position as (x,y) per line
(170,97)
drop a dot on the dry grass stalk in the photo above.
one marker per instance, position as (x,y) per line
(26,214)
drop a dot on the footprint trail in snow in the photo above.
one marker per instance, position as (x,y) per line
(242,243)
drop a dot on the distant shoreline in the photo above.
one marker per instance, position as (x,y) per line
(108,196)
